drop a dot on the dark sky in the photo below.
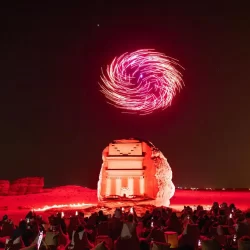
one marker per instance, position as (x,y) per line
(55,122)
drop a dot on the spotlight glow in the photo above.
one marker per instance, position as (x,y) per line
(75,205)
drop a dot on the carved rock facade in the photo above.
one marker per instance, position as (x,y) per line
(134,167)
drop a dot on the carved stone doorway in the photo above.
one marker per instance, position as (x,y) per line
(125,192)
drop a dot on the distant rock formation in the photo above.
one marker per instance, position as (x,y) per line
(4,187)
(28,185)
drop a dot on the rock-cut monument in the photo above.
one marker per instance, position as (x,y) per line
(134,168)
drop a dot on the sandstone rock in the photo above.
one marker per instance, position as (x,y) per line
(134,167)
(4,187)
(28,185)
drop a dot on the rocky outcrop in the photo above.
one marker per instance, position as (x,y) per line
(4,187)
(145,170)
(163,176)
(28,185)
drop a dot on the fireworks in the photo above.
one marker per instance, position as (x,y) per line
(141,82)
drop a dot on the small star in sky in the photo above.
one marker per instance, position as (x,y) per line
(98,25)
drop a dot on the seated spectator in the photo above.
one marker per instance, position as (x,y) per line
(7,227)
(190,236)
(128,238)
(173,224)
(101,217)
(115,225)
(80,240)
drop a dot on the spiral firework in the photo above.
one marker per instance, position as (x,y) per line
(141,82)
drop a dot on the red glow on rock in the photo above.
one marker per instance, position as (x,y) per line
(135,168)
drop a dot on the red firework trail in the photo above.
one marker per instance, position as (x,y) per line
(141,82)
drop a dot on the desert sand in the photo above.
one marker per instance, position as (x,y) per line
(76,198)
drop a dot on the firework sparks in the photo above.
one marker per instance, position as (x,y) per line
(141,82)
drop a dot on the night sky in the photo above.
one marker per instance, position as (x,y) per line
(55,122)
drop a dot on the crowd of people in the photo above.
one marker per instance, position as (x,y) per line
(222,227)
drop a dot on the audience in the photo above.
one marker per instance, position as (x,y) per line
(222,227)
